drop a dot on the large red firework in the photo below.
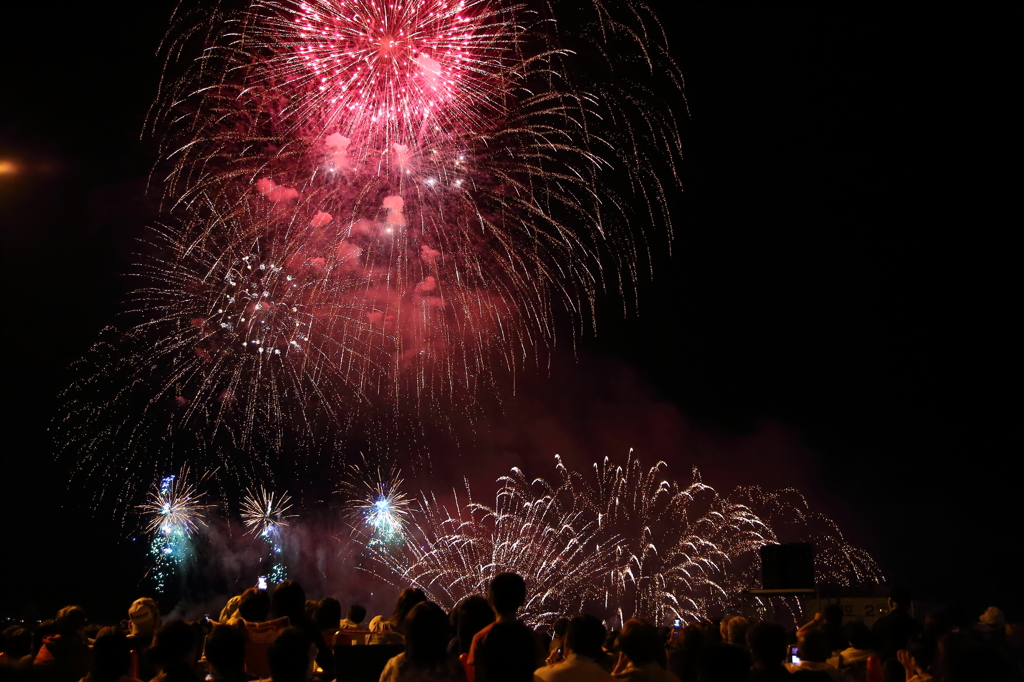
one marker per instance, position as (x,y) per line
(378,205)
(388,75)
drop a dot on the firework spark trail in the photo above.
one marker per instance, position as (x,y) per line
(836,561)
(386,87)
(243,306)
(628,544)
(377,207)
(377,504)
(451,555)
(233,338)
(262,514)
(265,516)
(391,73)
(506,212)
(175,510)
(678,543)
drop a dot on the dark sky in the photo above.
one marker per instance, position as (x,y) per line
(831,316)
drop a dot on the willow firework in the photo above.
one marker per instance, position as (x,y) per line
(836,560)
(625,544)
(454,554)
(680,545)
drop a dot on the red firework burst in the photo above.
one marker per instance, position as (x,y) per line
(389,75)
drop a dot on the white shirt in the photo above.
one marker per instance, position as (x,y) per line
(652,672)
(395,671)
(848,656)
(575,668)
(383,632)
(836,674)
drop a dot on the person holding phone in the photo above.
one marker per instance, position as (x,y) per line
(583,641)
(556,650)
(814,652)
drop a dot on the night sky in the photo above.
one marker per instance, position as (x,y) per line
(833,314)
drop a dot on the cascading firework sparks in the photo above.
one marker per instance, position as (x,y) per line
(377,209)
(836,561)
(265,516)
(476,177)
(452,555)
(233,348)
(679,546)
(175,512)
(628,544)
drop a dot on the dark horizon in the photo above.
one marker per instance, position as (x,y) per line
(829,317)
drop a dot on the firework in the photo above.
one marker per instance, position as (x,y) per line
(836,561)
(386,88)
(626,544)
(262,514)
(233,345)
(374,210)
(407,73)
(679,546)
(175,512)
(265,516)
(378,503)
(175,505)
(453,554)
(471,168)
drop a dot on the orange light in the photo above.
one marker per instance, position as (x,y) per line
(8,167)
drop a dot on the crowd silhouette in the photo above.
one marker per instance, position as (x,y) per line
(279,636)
